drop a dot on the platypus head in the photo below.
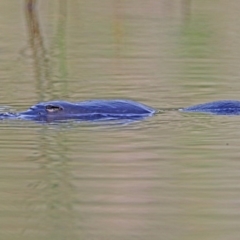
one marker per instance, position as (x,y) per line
(51,111)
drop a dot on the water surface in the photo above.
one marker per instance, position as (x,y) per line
(172,176)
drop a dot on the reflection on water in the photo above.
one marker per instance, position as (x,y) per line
(172,176)
(43,65)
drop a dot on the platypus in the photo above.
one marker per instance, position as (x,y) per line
(116,109)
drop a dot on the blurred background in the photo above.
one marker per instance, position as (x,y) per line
(172,176)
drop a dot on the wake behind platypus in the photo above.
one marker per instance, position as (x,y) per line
(117,109)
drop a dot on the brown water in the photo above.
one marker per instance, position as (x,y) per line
(173,176)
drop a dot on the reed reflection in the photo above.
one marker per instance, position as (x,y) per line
(51,58)
(38,50)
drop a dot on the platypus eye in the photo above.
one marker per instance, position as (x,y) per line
(53,108)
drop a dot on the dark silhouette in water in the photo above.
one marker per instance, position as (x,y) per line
(97,110)
(222,107)
(92,110)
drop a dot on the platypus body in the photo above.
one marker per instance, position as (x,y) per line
(92,110)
